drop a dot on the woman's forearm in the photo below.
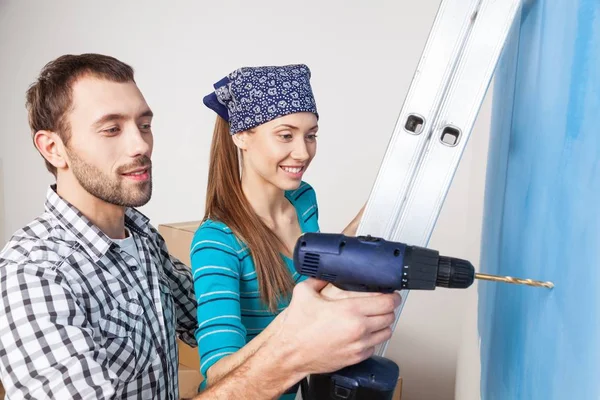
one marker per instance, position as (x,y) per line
(352,227)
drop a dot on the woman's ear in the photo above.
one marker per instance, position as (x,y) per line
(240,139)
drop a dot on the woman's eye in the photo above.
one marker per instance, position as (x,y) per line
(312,137)
(286,136)
(145,127)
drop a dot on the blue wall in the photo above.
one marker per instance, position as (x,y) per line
(542,210)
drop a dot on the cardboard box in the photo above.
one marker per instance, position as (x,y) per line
(189,381)
(179,238)
(2,393)
(398,390)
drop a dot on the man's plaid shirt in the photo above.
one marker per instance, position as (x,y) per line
(81,319)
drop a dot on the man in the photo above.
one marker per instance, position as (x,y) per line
(90,300)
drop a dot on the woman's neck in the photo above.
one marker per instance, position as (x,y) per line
(267,200)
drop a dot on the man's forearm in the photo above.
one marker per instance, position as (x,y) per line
(229,363)
(265,375)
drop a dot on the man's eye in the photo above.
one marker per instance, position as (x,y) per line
(145,127)
(112,131)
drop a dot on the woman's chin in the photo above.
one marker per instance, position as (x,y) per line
(288,184)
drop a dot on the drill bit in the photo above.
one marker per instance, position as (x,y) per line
(515,281)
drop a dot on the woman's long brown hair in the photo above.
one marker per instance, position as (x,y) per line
(226,202)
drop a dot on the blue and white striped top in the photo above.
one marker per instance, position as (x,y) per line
(230,312)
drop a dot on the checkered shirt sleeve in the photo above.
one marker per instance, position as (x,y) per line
(81,319)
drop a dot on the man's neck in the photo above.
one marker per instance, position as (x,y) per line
(109,218)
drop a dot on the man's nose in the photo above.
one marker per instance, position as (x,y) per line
(140,143)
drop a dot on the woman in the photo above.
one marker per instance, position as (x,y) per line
(242,252)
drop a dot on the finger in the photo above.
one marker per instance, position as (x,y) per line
(314,284)
(334,293)
(379,322)
(378,337)
(350,295)
(376,305)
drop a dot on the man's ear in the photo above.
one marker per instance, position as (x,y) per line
(51,147)
(240,139)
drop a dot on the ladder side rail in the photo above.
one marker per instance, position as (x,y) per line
(424,98)
(458,114)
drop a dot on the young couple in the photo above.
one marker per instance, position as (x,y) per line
(91,302)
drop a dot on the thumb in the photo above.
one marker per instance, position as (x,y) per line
(315,284)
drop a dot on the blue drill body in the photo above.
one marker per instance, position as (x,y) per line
(370,264)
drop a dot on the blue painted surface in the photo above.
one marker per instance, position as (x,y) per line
(542,211)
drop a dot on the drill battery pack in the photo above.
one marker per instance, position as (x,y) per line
(373,379)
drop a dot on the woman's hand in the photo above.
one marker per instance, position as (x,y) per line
(350,230)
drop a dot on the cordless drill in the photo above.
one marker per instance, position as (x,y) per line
(369,264)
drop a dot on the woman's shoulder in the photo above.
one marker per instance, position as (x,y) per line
(213,233)
(210,227)
(304,194)
(304,200)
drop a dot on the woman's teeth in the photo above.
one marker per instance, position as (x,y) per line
(292,170)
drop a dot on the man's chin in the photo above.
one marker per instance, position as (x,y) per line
(140,203)
(141,200)
(133,195)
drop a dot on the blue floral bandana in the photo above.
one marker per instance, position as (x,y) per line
(251,96)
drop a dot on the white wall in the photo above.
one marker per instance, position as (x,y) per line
(1,205)
(363,56)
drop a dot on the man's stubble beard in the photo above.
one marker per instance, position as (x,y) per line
(112,190)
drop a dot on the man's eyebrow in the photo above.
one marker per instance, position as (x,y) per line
(147,113)
(108,118)
(118,117)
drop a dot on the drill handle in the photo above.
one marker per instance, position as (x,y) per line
(360,264)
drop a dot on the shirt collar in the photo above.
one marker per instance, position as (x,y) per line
(89,236)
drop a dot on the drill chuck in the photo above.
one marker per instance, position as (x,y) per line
(371,264)
(455,273)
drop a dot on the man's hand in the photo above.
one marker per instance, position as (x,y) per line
(332,292)
(320,331)
(326,330)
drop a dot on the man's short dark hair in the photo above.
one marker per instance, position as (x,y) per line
(50,97)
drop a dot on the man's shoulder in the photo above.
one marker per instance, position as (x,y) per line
(41,241)
(36,253)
